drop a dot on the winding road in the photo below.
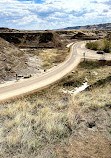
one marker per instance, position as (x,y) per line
(34,84)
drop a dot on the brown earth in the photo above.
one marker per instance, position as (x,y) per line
(84,36)
(49,39)
(14,61)
(95,146)
(11,59)
(33,40)
(91,138)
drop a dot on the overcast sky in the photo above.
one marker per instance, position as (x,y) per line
(53,14)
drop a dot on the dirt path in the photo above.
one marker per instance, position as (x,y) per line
(28,86)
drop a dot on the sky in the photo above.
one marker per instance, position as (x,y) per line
(53,14)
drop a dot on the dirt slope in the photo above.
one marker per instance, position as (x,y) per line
(33,40)
(11,59)
(84,36)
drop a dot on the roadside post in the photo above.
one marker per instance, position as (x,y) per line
(103,56)
(16,77)
(84,56)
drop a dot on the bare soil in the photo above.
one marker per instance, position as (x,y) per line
(91,139)
(14,61)
(33,40)
(95,146)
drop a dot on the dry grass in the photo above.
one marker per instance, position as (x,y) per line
(96,98)
(33,125)
(50,57)
(30,126)
(90,71)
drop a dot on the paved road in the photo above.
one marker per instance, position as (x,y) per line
(28,86)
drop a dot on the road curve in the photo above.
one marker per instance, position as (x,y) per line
(34,84)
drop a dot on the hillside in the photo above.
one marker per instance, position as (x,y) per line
(106,26)
(33,39)
(4,29)
(11,59)
(15,61)
(54,124)
(42,51)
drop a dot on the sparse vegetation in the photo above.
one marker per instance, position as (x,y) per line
(32,123)
(50,57)
(41,122)
(92,45)
(103,44)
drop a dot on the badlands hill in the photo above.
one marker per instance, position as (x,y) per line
(33,39)
(11,59)
(106,26)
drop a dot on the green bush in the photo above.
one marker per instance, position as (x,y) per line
(92,45)
(104,45)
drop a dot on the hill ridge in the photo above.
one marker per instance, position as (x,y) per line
(105,26)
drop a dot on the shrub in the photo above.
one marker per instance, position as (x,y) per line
(104,45)
(92,45)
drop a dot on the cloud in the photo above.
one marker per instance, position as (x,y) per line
(52,14)
(107,2)
(105,11)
